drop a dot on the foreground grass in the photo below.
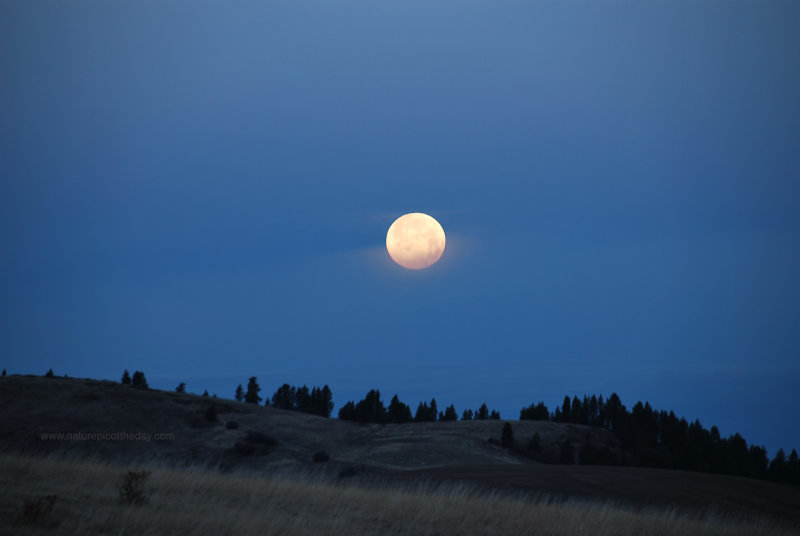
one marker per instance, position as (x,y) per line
(199,501)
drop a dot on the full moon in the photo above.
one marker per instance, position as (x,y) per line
(415,241)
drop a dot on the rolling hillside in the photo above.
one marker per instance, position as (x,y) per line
(268,440)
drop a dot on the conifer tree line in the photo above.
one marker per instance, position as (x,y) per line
(372,409)
(651,438)
(316,401)
(647,437)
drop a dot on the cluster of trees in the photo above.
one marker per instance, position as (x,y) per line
(372,409)
(652,438)
(138,379)
(317,401)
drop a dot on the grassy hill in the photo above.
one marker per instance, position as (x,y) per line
(37,405)
(271,443)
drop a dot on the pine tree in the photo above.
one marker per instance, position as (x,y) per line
(423,412)
(139,380)
(326,402)
(49,374)
(284,397)
(467,415)
(302,399)
(494,415)
(4,373)
(777,467)
(398,412)
(483,413)
(348,411)
(181,388)
(239,393)
(566,410)
(507,436)
(251,397)
(126,378)
(371,409)
(450,414)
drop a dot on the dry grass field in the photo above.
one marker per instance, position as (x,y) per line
(203,501)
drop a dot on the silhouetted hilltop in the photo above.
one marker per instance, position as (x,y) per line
(109,420)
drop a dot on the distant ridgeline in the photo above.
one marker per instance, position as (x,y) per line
(648,438)
(651,438)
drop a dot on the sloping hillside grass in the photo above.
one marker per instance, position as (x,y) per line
(51,496)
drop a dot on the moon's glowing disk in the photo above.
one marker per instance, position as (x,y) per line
(415,241)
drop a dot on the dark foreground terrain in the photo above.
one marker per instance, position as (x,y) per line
(272,441)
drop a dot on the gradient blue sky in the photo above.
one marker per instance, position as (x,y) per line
(201,190)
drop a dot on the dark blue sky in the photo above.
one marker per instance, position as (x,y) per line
(201,190)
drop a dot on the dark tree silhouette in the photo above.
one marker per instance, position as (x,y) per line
(398,411)
(251,396)
(181,388)
(483,413)
(449,414)
(324,403)
(139,380)
(371,409)
(205,393)
(507,436)
(777,467)
(49,374)
(317,401)
(425,412)
(126,378)
(467,415)
(494,415)
(4,373)
(284,397)
(538,412)
(348,411)
(566,410)
(302,399)
(239,393)
(211,413)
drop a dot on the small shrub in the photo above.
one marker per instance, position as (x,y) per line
(132,490)
(351,471)
(260,438)
(34,510)
(321,457)
(211,413)
(49,374)
(231,425)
